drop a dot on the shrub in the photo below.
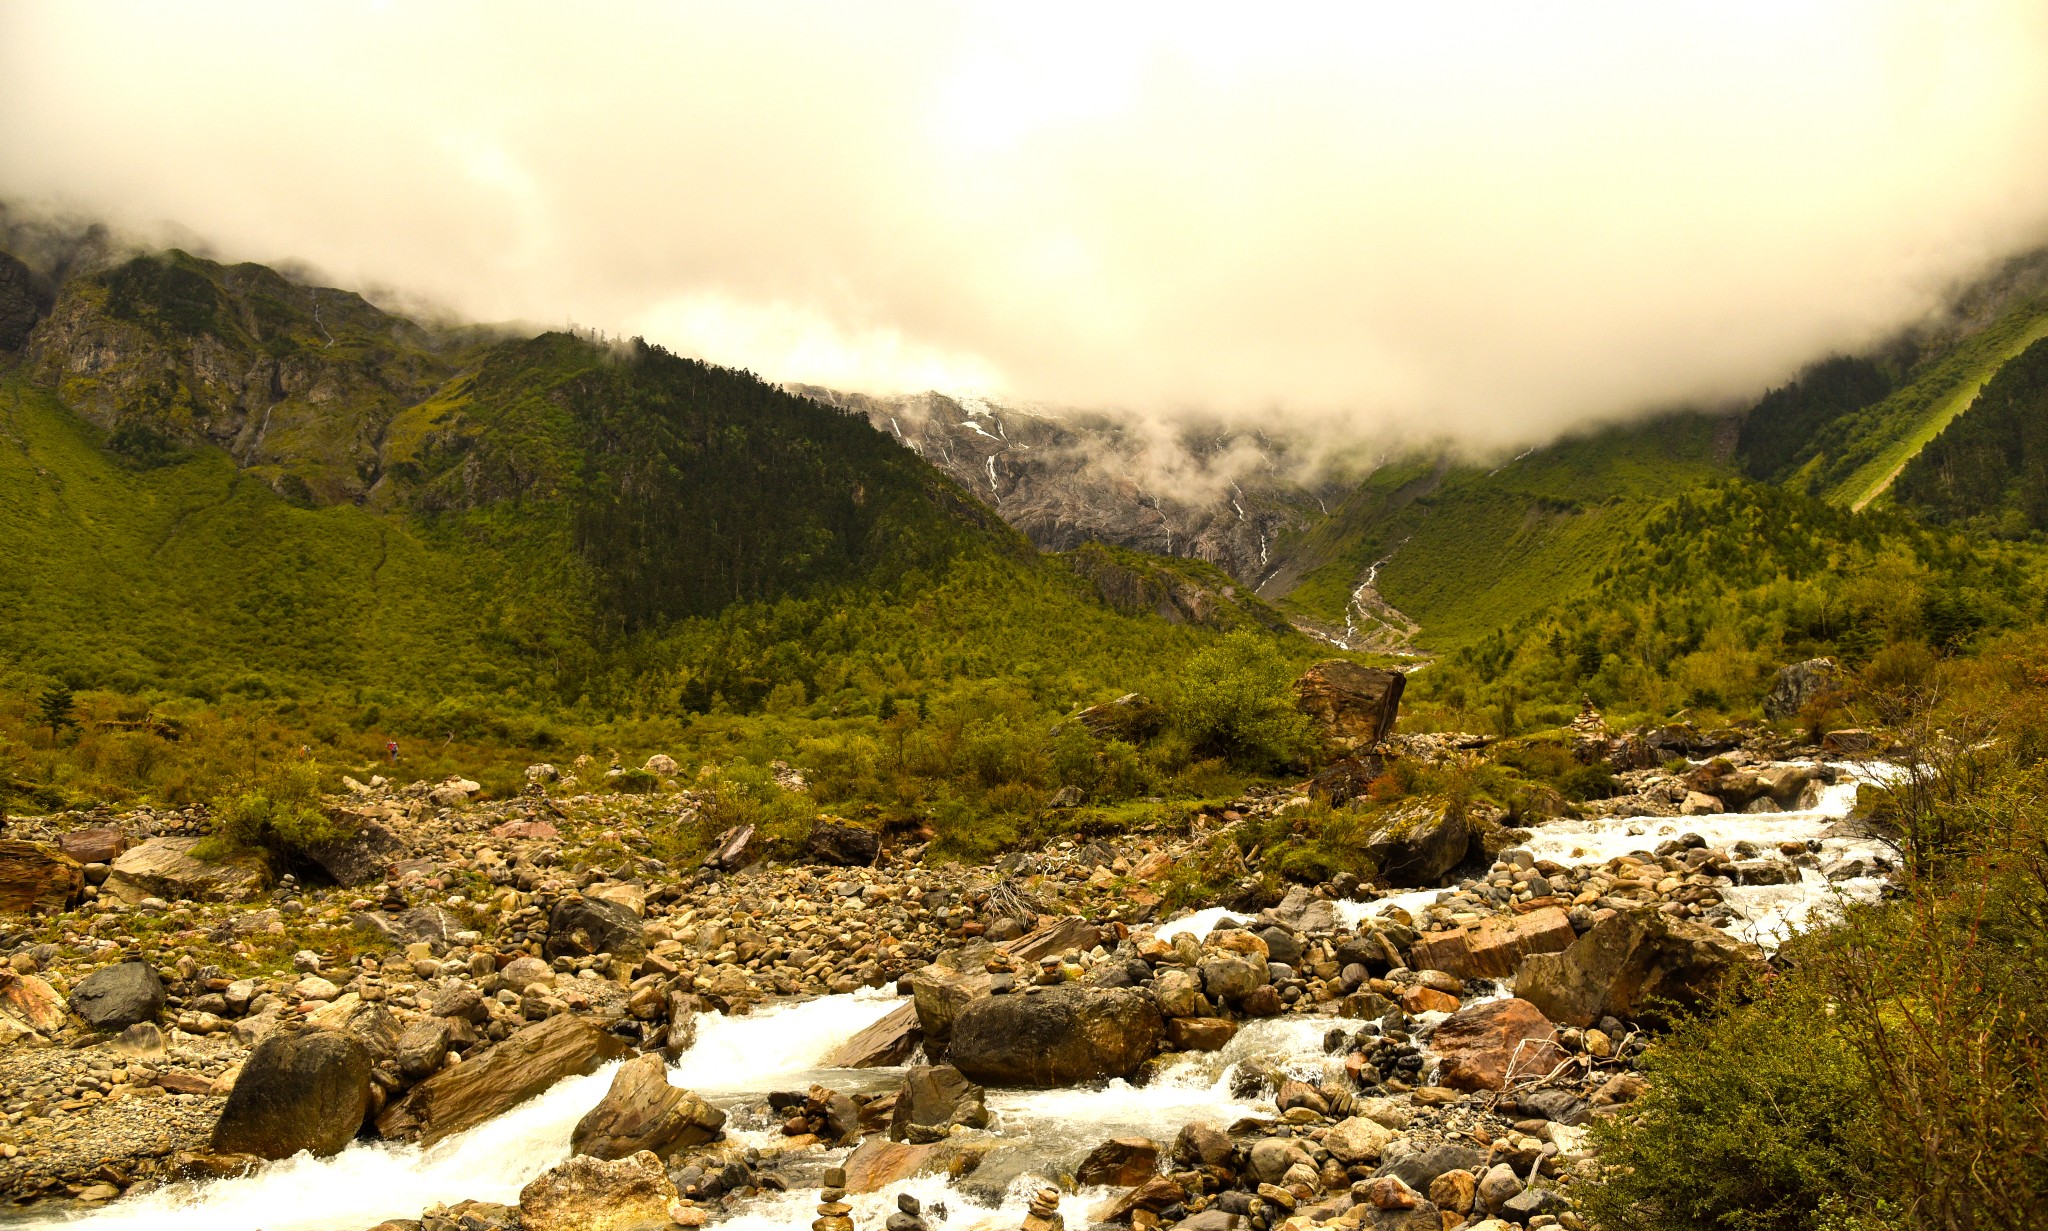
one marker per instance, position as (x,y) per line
(275,811)
(1235,702)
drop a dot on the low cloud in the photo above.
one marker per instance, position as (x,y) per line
(1487,222)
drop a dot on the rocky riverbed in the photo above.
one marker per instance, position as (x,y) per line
(855,1035)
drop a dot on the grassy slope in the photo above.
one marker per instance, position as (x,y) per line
(1468,551)
(1879,441)
(192,576)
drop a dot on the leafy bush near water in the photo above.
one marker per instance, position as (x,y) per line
(1894,1072)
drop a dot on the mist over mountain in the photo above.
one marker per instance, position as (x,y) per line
(1381,227)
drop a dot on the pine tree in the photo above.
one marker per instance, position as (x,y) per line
(54,708)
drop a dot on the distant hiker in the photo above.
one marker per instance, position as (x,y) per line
(392,748)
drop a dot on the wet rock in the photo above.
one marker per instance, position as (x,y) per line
(642,1111)
(37,879)
(166,868)
(1122,1162)
(1199,1033)
(592,1194)
(1488,1045)
(878,1162)
(888,1042)
(584,926)
(1494,947)
(525,1064)
(299,1090)
(843,845)
(119,996)
(934,1098)
(1352,707)
(1058,1036)
(1201,1144)
(1419,844)
(1623,964)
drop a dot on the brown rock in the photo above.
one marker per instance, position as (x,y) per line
(1351,706)
(524,1065)
(1622,965)
(1199,1033)
(1453,1190)
(1494,947)
(1428,1000)
(642,1111)
(37,879)
(1123,1162)
(1059,1036)
(1487,1045)
(590,1194)
(888,1042)
(879,1162)
(102,844)
(31,1001)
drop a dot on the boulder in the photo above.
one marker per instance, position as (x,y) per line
(1056,1036)
(1199,1033)
(102,844)
(1486,1046)
(642,1111)
(1132,718)
(583,926)
(888,1042)
(1352,707)
(116,997)
(1799,683)
(299,1090)
(661,763)
(1345,780)
(1494,947)
(527,1063)
(365,855)
(1121,1162)
(879,1163)
(843,845)
(1418,844)
(423,1047)
(733,849)
(1621,966)
(934,1098)
(32,1002)
(594,1194)
(1849,742)
(1358,1140)
(1419,1163)
(166,868)
(36,879)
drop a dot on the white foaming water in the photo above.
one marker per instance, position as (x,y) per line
(367,1183)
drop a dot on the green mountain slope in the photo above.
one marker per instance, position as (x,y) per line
(1989,465)
(1463,551)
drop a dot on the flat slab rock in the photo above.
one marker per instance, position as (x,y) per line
(524,1065)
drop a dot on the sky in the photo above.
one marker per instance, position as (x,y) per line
(1485,222)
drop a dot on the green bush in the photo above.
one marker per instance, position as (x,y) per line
(276,811)
(1235,702)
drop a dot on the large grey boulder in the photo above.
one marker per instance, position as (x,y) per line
(363,856)
(299,1090)
(119,996)
(844,846)
(642,1111)
(1056,1036)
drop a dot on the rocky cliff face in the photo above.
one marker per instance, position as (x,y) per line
(1073,478)
(297,382)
